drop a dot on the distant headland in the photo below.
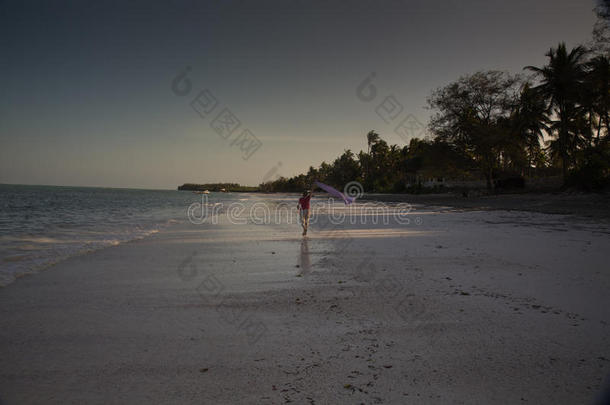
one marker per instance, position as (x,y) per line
(218,187)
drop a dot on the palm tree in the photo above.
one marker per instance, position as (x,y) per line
(601,29)
(371,139)
(598,88)
(561,84)
(530,121)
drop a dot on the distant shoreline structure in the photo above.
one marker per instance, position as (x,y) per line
(219,187)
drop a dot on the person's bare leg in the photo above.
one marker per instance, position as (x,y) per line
(302,221)
(305,223)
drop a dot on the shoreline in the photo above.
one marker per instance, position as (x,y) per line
(584,205)
(353,313)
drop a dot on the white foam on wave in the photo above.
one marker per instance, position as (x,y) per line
(31,254)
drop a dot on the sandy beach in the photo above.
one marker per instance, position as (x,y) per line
(160,162)
(455,307)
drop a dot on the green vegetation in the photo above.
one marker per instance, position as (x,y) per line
(498,127)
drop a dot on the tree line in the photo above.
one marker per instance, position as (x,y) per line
(232,187)
(493,125)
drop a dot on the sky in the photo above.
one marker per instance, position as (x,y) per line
(92,93)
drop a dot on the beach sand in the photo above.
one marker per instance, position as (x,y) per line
(454,307)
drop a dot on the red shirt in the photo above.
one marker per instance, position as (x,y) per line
(304,202)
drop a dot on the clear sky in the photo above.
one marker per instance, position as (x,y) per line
(87,93)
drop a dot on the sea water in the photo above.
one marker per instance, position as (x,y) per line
(41,225)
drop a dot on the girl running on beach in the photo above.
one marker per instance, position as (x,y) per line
(303,207)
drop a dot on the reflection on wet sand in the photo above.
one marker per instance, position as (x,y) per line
(304,260)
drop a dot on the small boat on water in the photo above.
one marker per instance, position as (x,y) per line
(202,192)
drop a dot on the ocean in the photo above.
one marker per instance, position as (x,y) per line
(41,225)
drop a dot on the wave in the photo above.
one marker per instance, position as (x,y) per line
(28,255)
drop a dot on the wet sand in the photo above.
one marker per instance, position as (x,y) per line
(581,205)
(454,307)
